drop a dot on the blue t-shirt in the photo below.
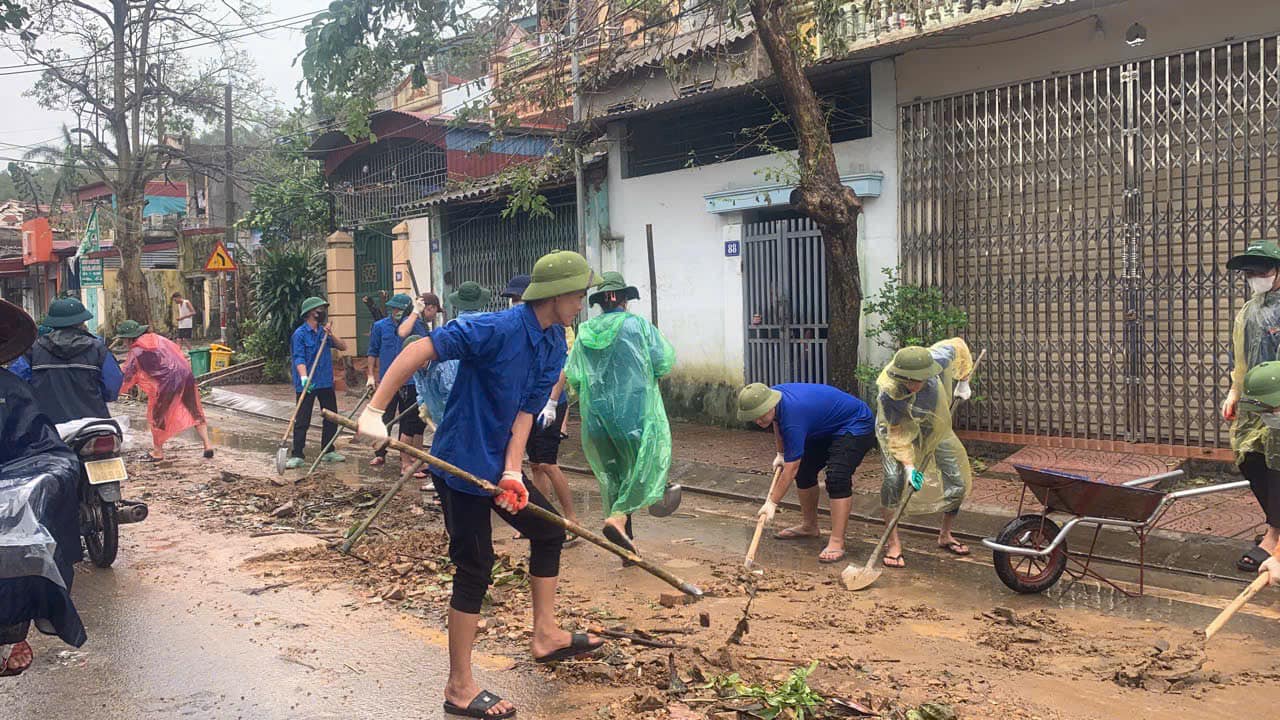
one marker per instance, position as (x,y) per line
(508,364)
(305,345)
(810,411)
(385,342)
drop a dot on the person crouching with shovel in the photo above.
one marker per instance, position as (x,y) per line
(917,441)
(614,370)
(816,427)
(508,363)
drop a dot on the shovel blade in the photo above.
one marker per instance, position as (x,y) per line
(282,457)
(859,578)
(669,503)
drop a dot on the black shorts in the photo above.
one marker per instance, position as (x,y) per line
(840,455)
(184,333)
(544,443)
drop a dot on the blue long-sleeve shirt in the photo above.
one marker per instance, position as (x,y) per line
(304,346)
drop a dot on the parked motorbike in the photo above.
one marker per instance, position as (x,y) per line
(98,443)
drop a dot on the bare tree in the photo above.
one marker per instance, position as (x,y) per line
(138,72)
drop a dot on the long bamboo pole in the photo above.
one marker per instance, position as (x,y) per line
(657,571)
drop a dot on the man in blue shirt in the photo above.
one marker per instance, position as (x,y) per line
(306,345)
(816,426)
(384,346)
(509,361)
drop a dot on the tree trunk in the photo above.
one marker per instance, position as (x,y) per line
(129,242)
(820,195)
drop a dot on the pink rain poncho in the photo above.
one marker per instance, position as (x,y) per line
(158,366)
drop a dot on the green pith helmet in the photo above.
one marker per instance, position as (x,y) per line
(914,363)
(400,301)
(557,273)
(613,282)
(470,295)
(130,329)
(312,303)
(1262,387)
(1263,255)
(409,341)
(66,312)
(755,400)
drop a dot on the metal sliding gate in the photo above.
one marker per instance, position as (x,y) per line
(1084,222)
(784,277)
(480,245)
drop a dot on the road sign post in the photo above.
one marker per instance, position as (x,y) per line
(220,261)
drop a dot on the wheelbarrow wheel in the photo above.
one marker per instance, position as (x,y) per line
(1026,573)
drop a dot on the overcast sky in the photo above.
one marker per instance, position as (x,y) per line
(24,122)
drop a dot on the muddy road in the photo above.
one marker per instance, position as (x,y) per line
(229,602)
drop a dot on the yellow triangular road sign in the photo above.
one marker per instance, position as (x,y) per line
(220,260)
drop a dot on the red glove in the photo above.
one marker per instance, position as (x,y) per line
(514,496)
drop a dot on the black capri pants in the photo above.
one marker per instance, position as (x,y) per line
(467,519)
(1265,484)
(840,455)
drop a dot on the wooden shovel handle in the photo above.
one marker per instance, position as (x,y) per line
(755,538)
(1244,597)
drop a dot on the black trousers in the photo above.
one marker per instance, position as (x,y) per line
(411,424)
(329,401)
(467,518)
(1265,484)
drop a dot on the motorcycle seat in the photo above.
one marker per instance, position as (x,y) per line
(72,429)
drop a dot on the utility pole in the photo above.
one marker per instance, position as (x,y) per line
(229,232)
(580,190)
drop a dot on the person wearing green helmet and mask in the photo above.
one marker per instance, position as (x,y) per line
(614,370)
(916,392)
(384,345)
(306,345)
(1260,401)
(1254,342)
(508,363)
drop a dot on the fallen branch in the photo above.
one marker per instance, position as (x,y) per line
(636,639)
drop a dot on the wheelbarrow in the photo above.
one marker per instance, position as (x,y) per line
(1031,554)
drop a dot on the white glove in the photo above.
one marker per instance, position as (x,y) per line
(304,380)
(1272,567)
(419,307)
(779,461)
(548,414)
(369,427)
(767,510)
(963,391)
(371,383)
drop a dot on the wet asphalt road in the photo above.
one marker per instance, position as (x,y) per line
(179,629)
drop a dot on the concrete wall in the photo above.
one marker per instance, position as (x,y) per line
(1010,56)
(699,289)
(161,285)
(420,253)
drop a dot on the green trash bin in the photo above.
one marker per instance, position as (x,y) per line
(199,361)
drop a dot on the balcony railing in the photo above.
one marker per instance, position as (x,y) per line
(865,23)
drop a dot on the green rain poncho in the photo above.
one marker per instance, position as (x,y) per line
(915,428)
(614,369)
(1253,342)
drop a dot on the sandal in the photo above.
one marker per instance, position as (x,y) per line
(15,658)
(618,538)
(792,534)
(956,547)
(579,644)
(208,454)
(897,562)
(378,461)
(149,458)
(1252,560)
(824,559)
(479,707)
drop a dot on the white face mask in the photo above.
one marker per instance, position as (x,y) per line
(1262,284)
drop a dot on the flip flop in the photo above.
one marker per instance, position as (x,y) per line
(479,707)
(828,561)
(579,644)
(377,461)
(954,546)
(208,454)
(791,534)
(149,458)
(616,537)
(893,558)
(1252,560)
(15,658)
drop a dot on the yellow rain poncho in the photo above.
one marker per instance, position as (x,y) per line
(614,369)
(915,429)
(1253,342)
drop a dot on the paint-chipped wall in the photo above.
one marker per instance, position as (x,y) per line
(702,394)
(161,285)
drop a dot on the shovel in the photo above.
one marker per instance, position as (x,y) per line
(282,453)
(669,503)
(368,391)
(657,571)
